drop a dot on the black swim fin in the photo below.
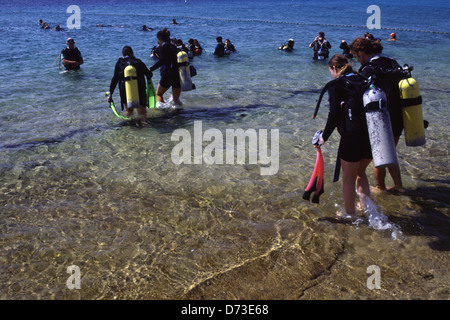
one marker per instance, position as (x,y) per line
(307,193)
(315,198)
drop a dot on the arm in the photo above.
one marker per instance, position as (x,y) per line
(313,44)
(157,64)
(72,62)
(79,60)
(335,112)
(163,56)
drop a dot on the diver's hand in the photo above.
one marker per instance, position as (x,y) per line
(318,140)
(321,142)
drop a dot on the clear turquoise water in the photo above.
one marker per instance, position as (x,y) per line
(77,188)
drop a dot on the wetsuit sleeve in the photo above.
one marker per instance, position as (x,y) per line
(158,64)
(164,57)
(115,78)
(334,113)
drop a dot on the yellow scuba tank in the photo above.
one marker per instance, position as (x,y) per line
(185,71)
(131,87)
(412,112)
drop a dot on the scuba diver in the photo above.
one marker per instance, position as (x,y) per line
(220,48)
(287,46)
(348,116)
(368,53)
(71,56)
(120,77)
(168,65)
(345,50)
(229,47)
(321,47)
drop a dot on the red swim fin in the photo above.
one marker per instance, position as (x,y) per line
(313,181)
(319,187)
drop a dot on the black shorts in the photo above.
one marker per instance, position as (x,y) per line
(353,148)
(171,79)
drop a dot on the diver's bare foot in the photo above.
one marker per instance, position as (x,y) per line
(360,206)
(345,216)
(377,190)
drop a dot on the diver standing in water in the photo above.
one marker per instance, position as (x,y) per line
(321,47)
(220,48)
(121,77)
(168,63)
(368,53)
(347,115)
(71,56)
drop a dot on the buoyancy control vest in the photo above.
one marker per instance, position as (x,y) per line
(353,121)
(385,74)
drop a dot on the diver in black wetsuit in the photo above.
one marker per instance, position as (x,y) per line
(71,56)
(347,115)
(141,70)
(170,76)
(220,48)
(345,49)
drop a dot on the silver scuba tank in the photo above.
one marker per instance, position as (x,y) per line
(379,127)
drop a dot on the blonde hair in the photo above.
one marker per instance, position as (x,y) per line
(341,63)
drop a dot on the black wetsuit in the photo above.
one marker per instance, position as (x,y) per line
(168,64)
(141,70)
(354,144)
(390,87)
(72,55)
(220,50)
(346,50)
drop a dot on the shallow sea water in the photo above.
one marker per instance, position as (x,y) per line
(80,188)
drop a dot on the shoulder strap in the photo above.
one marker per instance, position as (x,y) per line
(325,89)
(342,79)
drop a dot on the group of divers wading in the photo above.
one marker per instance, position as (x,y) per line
(370,108)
